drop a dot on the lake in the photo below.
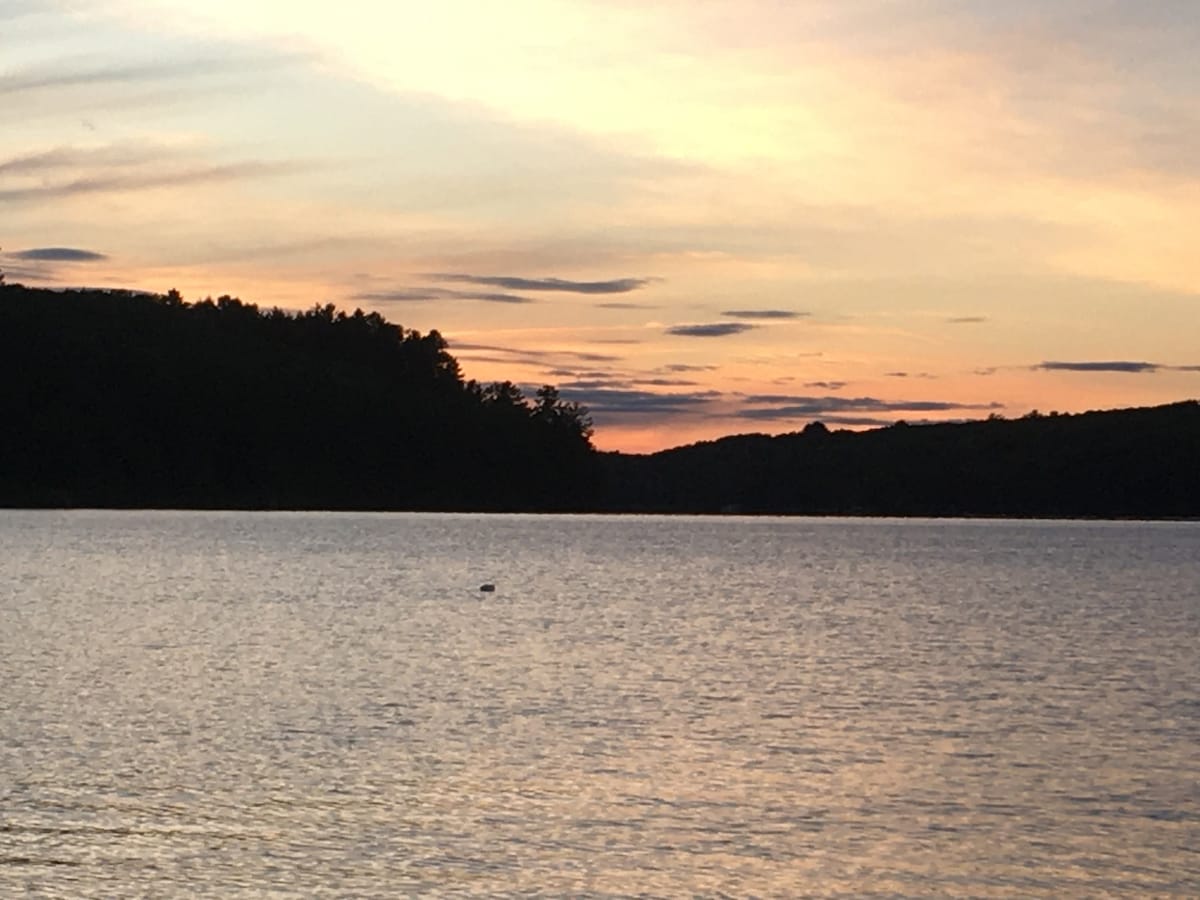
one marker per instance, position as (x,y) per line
(316,704)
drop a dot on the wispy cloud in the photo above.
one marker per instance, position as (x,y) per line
(72,157)
(778,406)
(666,382)
(59,254)
(1129,366)
(587,384)
(616,402)
(966,320)
(687,367)
(536,357)
(426,294)
(133,181)
(618,305)
(714,329)
(27,274)
(515,283)
(826,385)
(855,421)
(72,73)
(764,314)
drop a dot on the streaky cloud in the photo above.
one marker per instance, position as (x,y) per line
(149,180)
(687,367)
(872,422)
(535,357)
(59,254)
(1130,367)
(613,402)
(425,295)
(47,160)
(496,297)
(515,283)
(779,406)
(603,383)
(593,373)
(19,274)
(966,320)
(1134,367)
(714,329)
(492,348)
(112,155)
(619,305)
(63,74)
(498,360)
(826,385)
(778,398)
(858,421)
(764,314)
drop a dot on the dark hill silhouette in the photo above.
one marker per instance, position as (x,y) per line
(1122,463)
(122,399)
(117,399)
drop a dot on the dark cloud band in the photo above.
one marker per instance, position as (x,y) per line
(715,329)
(611,402)
(427,294)
(1128,366)
(777,406)
(764,314)
(1123,366)
(514,283)
(59,254)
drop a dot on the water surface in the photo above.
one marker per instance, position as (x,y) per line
(312,704)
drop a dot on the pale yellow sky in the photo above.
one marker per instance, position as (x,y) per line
(697,218)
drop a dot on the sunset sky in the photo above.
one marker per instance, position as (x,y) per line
(698,218)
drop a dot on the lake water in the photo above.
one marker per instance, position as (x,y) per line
(312,704)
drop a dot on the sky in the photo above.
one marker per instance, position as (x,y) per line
(696,217)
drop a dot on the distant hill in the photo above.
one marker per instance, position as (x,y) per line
(123,399)
(1122,463)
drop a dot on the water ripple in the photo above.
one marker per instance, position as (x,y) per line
(298,705)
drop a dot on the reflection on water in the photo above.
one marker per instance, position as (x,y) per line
(232,704)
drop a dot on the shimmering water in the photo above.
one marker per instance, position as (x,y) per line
(225,704)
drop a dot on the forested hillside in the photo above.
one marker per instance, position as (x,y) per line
(118,399)
(1121,463)
(121,399)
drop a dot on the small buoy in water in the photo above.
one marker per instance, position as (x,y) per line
(487,588)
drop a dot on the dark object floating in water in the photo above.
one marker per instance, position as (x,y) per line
(487,588)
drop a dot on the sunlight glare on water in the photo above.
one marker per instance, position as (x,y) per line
(307,704)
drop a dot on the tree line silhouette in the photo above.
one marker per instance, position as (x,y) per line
(125,399)
(120,399)
(1134,463)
